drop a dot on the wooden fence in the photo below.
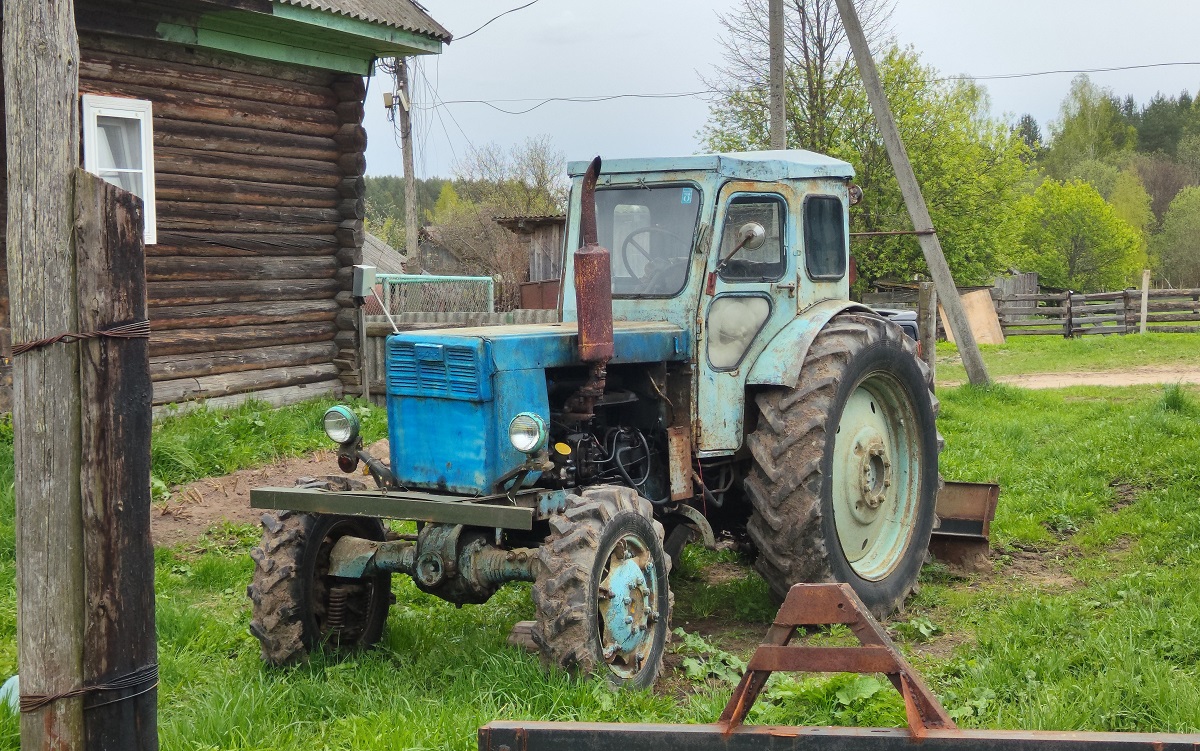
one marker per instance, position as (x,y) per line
(1068,314)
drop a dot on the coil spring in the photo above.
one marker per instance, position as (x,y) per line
(336,614)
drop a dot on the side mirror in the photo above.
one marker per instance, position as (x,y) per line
(751,236)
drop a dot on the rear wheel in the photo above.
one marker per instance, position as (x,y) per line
(297,606)
(601,595)
(845,479)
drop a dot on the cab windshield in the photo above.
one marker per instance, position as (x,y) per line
(649,231)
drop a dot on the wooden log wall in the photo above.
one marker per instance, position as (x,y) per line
(259,180)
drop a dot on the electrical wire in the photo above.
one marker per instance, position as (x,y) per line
(495,18)
(541,102)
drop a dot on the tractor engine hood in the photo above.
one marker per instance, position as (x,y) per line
(452,392)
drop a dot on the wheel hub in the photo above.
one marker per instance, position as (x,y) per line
(875,477)
(626,600)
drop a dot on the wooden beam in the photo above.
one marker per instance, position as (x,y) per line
(41,82)
(931,247)
(118,557)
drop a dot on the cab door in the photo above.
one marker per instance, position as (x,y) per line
(749,295)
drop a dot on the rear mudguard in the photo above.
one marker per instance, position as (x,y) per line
(780,363)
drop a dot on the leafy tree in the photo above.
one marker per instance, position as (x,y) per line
(1090,126)
(1102,175)
(1162,123)
(1030,133)
(1073,239)
(527,180)
(1177,247)
(1131,202)
(971,167)
(1164,178)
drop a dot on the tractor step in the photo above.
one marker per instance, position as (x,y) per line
(813,605)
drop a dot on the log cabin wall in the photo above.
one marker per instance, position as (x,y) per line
(260,192)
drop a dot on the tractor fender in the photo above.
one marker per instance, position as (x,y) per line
(779,364)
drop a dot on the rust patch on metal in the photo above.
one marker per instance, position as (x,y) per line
(679,460)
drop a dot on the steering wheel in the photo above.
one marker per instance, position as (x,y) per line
(651,270)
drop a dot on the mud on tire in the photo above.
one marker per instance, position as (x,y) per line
(791,483)
(296,607)
(583,555)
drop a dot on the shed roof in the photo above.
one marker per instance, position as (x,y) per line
(401,14)
(385,258)
(745,165)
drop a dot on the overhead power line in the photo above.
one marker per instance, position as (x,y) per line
(494,18)
(542,101)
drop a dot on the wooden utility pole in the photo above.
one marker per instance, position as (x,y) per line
(404,115)
(41,89)
(778,85)
(931,247)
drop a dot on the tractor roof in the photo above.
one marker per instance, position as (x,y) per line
(746,165)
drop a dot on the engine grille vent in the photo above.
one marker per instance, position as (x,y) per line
(435,370)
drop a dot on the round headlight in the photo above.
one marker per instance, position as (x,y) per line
(527,432)
(341,424)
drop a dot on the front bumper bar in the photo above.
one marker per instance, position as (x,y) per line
(517,512)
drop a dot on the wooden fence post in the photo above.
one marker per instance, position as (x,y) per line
(1145,300)
(119,643)
(1068,316)
(41,90)
(927,317)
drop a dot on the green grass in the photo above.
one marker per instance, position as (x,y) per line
(207,443)
(1091,619)
(1052,354)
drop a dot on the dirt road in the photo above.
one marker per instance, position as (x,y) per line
(1127,377)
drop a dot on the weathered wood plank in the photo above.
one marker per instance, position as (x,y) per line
(250,167)
(280,397)
(169,133)
(118,557)
(164,294)
(40,55)
(207,387)
(187,189)
(172,367)
(183,268)
(238,337)
(208,244)
(141,70)
(221,315)
(198,56)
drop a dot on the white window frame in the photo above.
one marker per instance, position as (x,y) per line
(95,106)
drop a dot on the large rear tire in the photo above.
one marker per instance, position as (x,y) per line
(601,595)
(845,475)
(297,606)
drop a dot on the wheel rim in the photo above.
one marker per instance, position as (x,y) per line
(876,476)
(626,606)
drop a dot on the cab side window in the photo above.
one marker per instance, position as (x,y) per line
(824,238)
(752,261)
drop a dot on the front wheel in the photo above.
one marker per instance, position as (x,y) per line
(601,595)
(297,607)
(845,477)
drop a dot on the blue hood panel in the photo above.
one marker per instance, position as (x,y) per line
(452,392)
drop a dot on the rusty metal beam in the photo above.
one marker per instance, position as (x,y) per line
(584,736)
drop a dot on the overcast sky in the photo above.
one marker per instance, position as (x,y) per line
(570,48)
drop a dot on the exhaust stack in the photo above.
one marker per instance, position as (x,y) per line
(593,303)
(593,279)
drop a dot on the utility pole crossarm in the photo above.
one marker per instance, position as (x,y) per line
(931,247)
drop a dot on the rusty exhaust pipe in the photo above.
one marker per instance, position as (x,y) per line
(593,302)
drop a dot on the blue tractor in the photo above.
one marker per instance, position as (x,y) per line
(710,376)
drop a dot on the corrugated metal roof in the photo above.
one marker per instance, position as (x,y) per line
(402,14)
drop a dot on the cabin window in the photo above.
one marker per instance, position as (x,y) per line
(118,146)
(754,259)
(650,231)
(824,238)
